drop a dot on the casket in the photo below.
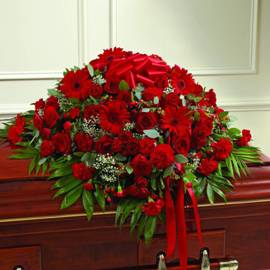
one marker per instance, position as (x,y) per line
(35,234)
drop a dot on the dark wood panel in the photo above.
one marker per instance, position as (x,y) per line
(24,258)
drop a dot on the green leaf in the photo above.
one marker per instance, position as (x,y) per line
(153,183)
(129,169)
(234,133)
(210,193)
(99,195)
(189,177)
(123,85)
(151,133)
(228,162)
(141,226)
(72,197)
(150,226)
(235,165)
(64,181)
(61,172)
(145,110)
(119,157)
(88,204)
(180,158)
(168,171)
(135,217)
(42,161)
(156,100)
(219,192)
(54,92)
(71,185)
(91,70)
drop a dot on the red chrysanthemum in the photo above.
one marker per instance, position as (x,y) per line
(76,84)
(113,116)
(176,119)
(182,81)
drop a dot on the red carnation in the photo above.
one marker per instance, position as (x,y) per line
(83,142)
(40,104)
(67,126)
(45,133)
(162,157)
(62,143)
(46,148)
(176,119)
(141,165)
(245,139)
(146,120)
(222,148)
(151,92)
(82,172)
(135,191)
(88,186)
(74,113)
(76,84)
(126,144)
(182,81)
(50,116)
(104,145)
(15,131)
(153,208)
(209,99)
(113,116)
(207,166)
(147,146)
(91,110)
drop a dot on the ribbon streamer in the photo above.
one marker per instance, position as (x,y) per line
(170,220)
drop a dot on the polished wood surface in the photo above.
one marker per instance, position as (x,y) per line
(29,217)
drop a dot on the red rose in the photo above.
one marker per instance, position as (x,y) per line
(172,100)
(83,142)
(146,120)
(162,157)
(245,139)
(52,101)
(38,122)
(82,172)
(62,143)
(181,142)
(45,133)
(222,148)
(153,208)
(147,146)
(207,166)
(141,165)
(96,90)
(104,144)
(46,148)
(151,92)
(50,116)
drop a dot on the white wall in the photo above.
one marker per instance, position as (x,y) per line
(225,43)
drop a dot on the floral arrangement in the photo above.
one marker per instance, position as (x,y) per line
(128,129)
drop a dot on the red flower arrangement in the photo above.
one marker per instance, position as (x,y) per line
(130,130)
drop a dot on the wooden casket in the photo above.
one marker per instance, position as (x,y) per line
(35,234)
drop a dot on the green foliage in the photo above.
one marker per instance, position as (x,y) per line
(123,85)
(180,158)
(71,197)
(88,203)
(151,133)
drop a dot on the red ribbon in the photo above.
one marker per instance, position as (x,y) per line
(196,213)
(181,221)
(170,220)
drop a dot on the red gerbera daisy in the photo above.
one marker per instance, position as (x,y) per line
(113,116)
(176,119)
(182,81)
(76,84)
